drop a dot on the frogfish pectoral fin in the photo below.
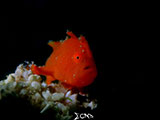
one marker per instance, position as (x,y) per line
(42,70)
(49,79)
(34,69)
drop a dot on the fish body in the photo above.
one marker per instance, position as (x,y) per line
(71,62)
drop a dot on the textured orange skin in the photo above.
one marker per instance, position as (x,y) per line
(71,62)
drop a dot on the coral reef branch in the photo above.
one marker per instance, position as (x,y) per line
(24,84)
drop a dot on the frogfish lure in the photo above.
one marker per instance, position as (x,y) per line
(71,62)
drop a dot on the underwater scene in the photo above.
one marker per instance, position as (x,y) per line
(68,69)
(56,70)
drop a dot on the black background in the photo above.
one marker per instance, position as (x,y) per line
(117,43)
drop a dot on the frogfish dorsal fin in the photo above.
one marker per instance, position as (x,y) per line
(54,44)
(71,34)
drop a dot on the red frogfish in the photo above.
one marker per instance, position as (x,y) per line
(71,62)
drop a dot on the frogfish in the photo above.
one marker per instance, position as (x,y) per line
(71,62)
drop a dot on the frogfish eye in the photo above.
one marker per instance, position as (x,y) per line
(77,57)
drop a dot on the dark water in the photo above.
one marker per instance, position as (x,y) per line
(117,47)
